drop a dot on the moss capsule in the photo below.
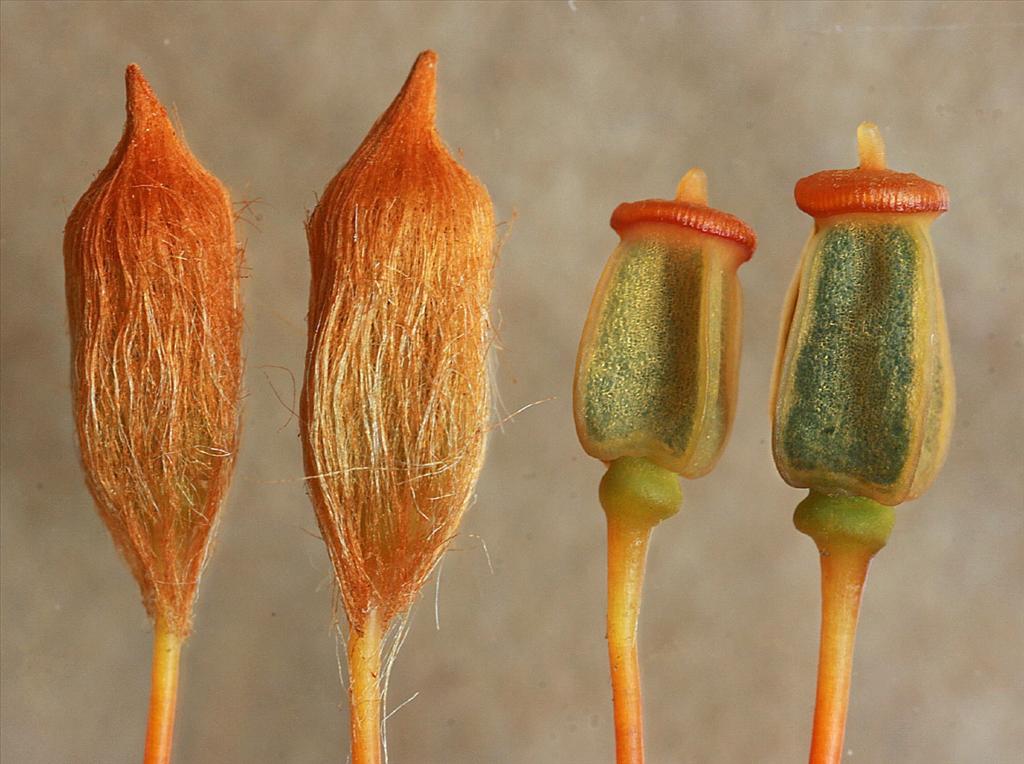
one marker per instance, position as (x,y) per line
(863,389)
(659,357)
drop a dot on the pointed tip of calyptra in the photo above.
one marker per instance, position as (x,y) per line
(418,96)
(141,99)
(141,102)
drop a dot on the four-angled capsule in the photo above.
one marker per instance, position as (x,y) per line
(659,358)
(863,390)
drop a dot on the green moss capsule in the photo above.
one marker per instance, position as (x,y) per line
(863,391)
(659,357)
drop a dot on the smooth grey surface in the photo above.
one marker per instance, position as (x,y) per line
(563,110)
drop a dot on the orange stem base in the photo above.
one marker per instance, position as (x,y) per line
(842,582)
(364,690)
(163,695)
(627,558)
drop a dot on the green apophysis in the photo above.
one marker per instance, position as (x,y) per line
(840,523)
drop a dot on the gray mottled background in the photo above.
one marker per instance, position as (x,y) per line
(564,110)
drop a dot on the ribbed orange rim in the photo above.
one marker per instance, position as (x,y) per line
(698,217)
(833,192)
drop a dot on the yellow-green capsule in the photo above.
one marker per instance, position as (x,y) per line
(863,391)
(658,361)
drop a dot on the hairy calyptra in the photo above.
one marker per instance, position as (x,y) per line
(395,399)
(152,282)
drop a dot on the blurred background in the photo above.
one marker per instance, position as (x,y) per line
(563,109)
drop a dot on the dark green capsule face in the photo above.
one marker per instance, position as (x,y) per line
(657,367)
(849,407)
(642,374)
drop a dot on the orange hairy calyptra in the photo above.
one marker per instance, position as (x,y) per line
(395,400)
(152,281)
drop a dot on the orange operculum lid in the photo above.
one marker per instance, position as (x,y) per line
(690,210)
(871,187)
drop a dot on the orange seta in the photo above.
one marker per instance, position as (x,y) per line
(842,583)
(163,696)
(627,559)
